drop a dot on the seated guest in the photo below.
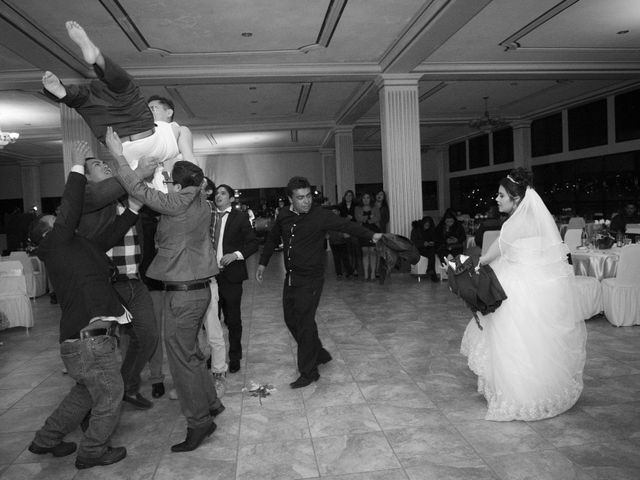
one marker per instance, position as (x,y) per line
(423,236)
(628,215)
(81,274)
(449,235)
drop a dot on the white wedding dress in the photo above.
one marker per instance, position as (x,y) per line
(531,352)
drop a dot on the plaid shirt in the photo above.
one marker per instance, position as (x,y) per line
(126,255)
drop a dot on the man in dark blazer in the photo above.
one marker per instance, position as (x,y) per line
(81,274)
(235,243)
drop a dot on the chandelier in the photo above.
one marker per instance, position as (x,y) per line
(7,137)
(487,123)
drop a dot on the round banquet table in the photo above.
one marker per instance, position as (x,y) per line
(596,263)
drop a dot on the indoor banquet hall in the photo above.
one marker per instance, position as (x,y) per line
(435,103)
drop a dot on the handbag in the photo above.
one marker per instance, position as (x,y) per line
(478,287)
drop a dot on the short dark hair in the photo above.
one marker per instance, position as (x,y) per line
(296,183)
(211,187)
(187,174)
(168,103)
(229,190)
(38,229)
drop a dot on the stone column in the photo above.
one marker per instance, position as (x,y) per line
(400,132)
(522,144)
(30,178)
(328,157)
(75,129)
(345,176)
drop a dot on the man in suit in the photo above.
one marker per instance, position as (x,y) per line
(81,274)
(185,263)
(234,241)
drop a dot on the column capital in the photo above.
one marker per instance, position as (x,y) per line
(397,80)
(521,124)
(342,129)
(327,151)
(28,162)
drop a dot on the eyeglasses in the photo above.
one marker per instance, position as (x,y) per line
(167,182)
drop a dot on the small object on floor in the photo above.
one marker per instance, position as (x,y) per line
(260,391)
(220,382)
(214,412)
(60,450)
(157,390)
(173,394)
(303,381)
(138,401)
(112,455)
(195,436)
(234,366)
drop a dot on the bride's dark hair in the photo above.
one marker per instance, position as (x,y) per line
(517,181)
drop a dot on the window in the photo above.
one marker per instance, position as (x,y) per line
(503,146)
(546,135)
(457,157)
(479,151)
(588,125)
(627,107)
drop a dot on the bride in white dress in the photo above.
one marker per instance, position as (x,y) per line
(530,354)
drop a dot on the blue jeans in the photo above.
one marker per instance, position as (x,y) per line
(183,317)
(143,334)
(93,364)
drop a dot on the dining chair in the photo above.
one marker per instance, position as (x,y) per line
(15,308)
(621,295)
(420,268)
(488,238)
(573,238)
(576,222)
(36,280)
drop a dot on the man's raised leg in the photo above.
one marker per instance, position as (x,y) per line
(90,52)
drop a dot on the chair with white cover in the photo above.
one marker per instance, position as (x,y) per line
(576,222)
(440,270)
(15,308)
(488,238)
(621,295)
(420,268)
(573,238)
(36,280)
(589,291)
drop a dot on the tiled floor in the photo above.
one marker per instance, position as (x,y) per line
(397,401)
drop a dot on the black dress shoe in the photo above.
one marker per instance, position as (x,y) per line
(234,366)
(137,401)
(195,437)
(324,357)
(112,455)
(60,450)
(303,381)
(157,390)
(214,412)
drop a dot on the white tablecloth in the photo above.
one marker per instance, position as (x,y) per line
(596,263)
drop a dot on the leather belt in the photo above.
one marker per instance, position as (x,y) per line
(138,136)
(94,332)
(185,287)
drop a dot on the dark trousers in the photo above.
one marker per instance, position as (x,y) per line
(430,254)
(184,314)
(355,253)
(143,333)
(299,304)
(230,301)
(111,100)
(341,258)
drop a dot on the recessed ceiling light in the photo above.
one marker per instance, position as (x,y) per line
(253,113)
(252,88)
(254,101)
(247,34)
(622,32)
(513,84)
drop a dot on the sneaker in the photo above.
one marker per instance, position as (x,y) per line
(220,381)
(137,401)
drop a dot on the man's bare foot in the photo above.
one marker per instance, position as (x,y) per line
(89,51)
(53,86)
